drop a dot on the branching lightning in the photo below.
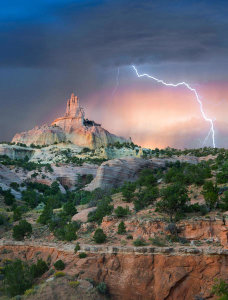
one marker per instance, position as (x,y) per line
(211,131)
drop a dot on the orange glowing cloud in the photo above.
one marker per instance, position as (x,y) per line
(161,117)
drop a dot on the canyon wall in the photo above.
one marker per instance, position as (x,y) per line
(134,275)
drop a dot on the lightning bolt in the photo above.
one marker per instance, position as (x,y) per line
(211,131)
(117,82)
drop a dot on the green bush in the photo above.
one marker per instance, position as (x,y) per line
(15,186)
(223,205)
(59,274)
(3,219)
(17,213)
(77,247)
(103,209)
(21,230)
(121,212)
(210,193)
(139,242)
(147,178)
(99,236)
(82,255)
(146,197)
(128,190)
(39,268)
(9,198)
(102,288)
(121,228)
(220,288)
(59,265)
(69,209)
(174,200)
(129,237)
(157,241)
(66,233)
(31,197)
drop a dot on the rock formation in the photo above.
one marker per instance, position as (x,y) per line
(73,127)
(115,172)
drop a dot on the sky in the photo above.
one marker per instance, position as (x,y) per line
(51,48)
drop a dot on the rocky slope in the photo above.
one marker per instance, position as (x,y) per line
(72,127)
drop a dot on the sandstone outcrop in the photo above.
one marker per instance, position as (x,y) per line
(15,151)
(72,127)
(115,172)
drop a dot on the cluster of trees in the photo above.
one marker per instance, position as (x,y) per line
(19,276)
(188,173)
(21,230)
(119,145)
(143,192)
(25,164)
(174,198)
(103,209)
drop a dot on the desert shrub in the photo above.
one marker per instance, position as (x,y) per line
(69,209)
(223,205)
(210,193)
(77,247)
(46,215)
(74,284)
(121,228)
(55,188)
(196,207)
(128,190)
(17,213)
(67,232)
(59,265)
(129,237)
(82,255)
(99,236)
(21,230)
(103,209)
(59,274)
(220,288)
(121,211)
(39,268)
(147,178)
(9,198)
(174,200)
(29,292)
(3,219)
(158,241)
(102,288)
(139,242)
(15,186)
(31,197)
(145,197)
(187,174)
(222,176)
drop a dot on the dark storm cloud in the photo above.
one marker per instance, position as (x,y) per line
(49,48)
(113,32)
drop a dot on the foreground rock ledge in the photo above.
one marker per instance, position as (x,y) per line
(135,273)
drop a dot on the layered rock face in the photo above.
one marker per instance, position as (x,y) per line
(41,135)
(72,127)
(135,275)
(115,172)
